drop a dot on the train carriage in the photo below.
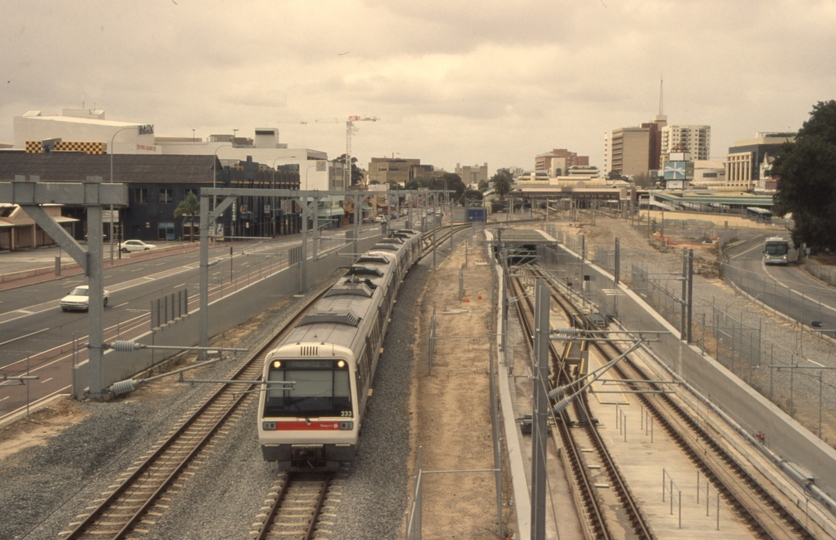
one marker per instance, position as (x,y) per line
(322,372)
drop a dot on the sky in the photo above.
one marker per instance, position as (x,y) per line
(449,82)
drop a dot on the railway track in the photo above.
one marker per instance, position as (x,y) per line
(132,503)
(746,495)
(138,497)
(295,507)
(750,499)
(577,435)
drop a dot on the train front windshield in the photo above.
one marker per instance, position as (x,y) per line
(321,388)
(776,249)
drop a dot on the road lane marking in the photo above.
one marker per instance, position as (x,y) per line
(120,305)
(23,337)
(46,380)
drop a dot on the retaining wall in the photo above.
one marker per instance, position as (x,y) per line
(823,272)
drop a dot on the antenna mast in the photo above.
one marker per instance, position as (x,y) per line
(661,93)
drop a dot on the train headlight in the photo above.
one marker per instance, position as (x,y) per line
(277,364)
(346,426)
(268,426)
(341,363)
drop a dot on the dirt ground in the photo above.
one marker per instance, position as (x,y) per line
(451,419)
(40,426)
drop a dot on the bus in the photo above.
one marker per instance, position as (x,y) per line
(761,215)
(776,250)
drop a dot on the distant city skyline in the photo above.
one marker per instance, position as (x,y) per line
(448,83)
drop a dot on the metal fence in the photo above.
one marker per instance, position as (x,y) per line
(438,512)
(781,369)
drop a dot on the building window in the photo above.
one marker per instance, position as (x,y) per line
(141,195)
(165,231)
(166,196)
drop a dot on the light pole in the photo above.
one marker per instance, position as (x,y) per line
(215,176)
(306,197)
(111,181)
(273,199)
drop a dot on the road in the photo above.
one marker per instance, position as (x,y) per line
(38,339)
(786,289)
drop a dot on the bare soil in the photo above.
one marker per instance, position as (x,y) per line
(451,407)
(40,426)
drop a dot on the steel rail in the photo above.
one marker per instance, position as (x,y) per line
(733,494)
(249,366)
(593,518)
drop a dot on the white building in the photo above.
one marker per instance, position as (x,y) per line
(696,140)
(709,174)
(87,130)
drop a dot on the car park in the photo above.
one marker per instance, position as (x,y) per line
(129,246)
(79,299)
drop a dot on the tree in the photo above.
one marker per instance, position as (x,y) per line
(471,197)
(412,184)
(642,180)
(356,173)
(188,208)
(483,185)
(806,172)
(502,182)
(450,182)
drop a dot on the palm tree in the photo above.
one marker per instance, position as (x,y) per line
(502,182)
(188,207)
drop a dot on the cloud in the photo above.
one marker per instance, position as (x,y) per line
(451,81)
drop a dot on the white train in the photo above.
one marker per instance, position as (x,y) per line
(330,357)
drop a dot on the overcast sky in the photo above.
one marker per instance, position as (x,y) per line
(450,81)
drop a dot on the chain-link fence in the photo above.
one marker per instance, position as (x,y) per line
(777,364)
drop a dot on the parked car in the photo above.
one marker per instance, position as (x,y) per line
(79,299)
(136,245)
(379,219)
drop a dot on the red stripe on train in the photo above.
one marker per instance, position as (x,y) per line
(304,426)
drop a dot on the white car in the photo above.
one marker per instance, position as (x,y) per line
(136,245)
(379,219)
(79,299)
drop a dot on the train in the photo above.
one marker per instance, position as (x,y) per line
(318,379)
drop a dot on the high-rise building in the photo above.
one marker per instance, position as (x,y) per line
(631,151)
(695,140)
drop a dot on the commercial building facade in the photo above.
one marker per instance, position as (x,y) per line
(558,161)
(631,151)
(748,160)
(471,176)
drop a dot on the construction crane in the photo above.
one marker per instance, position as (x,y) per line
(349,131)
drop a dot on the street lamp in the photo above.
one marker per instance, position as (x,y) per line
(306,175)
(306,195)
(111,181)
